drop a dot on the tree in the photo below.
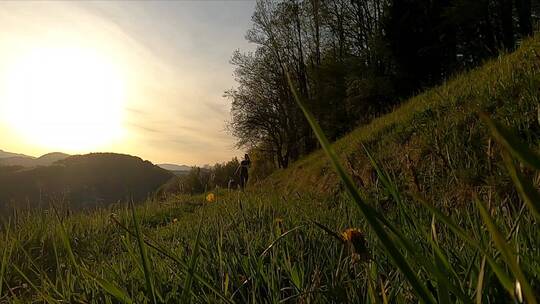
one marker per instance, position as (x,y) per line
(352,60)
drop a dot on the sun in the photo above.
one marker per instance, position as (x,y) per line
(67,98)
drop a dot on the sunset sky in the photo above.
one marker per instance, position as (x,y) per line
(142,78)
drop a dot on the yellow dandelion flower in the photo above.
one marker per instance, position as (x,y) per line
(350,234)
(356,240)
(211,198)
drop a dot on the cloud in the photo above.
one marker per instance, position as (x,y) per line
(143,128)
(134,111)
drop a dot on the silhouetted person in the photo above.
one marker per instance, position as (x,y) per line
(243,168)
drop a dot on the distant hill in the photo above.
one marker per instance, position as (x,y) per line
(173,167)
(18,161)
(50,158)
(5,154)
(28,161)
(83,181)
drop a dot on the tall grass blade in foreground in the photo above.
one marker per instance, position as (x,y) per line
(506,252)
(439,265)
(463,235)
(65,241)
(284,234)
(520,151)
(421,291)
(525,188)
(192,263)
(5,258)
(110,288)
(43,295)
(480,283)
(390,185)
(144,257)
(511,143)
(165,252)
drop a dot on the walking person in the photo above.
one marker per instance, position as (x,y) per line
(243,170)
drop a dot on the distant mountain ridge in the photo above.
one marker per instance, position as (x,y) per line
(22,160)
(5,154)
(173,167)
(15,159)
(81,181)
(50,158)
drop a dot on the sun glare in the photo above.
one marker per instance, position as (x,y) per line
(68,99)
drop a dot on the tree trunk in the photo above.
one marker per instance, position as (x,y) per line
(486,30)
(301,64)
(507,24)
(524,14)
(316,5)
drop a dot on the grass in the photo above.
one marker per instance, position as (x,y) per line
(446,207)
(436,134)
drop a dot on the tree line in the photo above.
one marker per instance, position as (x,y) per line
(353,60)
(202,179)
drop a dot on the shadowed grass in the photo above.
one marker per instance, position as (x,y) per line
(369,214)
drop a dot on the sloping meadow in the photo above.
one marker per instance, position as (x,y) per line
(435,142)
(445,211)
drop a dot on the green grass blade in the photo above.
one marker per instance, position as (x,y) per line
(511,142)
(480,284)
(391,187)
(66,242)
(450,223)
(109,287)
(506,252)
(525,189)
(372,283)
(505,280)
(38,272)
(501,275)
(328,231)
(45,297)
(399,260)
(444,273)
(383,293)
(6,256)
(144,257)
(284,234)
(173,257)
(191,270)
(443,292)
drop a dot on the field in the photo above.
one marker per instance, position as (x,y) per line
(438,207)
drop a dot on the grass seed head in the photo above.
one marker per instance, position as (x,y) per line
(518,293)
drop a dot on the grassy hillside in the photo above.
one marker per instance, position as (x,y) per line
(286,240)
(437,135)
